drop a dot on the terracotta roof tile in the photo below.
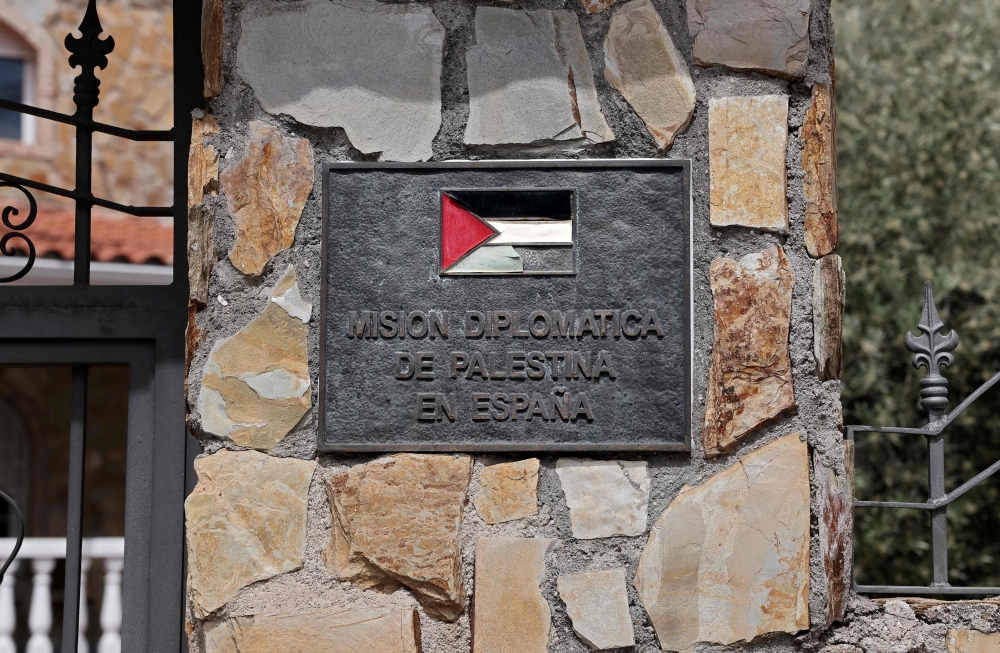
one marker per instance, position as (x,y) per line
(113,237)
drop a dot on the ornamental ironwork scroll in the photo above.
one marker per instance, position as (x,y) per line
(89,52)
(20,533)
(932,351)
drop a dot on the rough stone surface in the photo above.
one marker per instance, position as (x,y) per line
(605,497)
(729,560)
(971,641)
(212,24)
(767,35)
(642,62)
(829,288)
(266,191)
(396,521)
(747,138)
(531,85)
(373,69)
(835,495)
(596,6)
(750,381)
(255,386)
(509,491)
(203,181)
(333,630)
(819,168)
(597,603)
(509,612)
(246,521)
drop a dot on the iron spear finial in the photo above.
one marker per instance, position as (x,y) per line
(932,350)
(89,52)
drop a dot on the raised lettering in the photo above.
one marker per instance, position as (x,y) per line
(474,330)
(459,361)
(500,404)
(602,365)
(518,404)
(537,407)
(439,324)
(515,365)
(403,367)
(538,324)
(581,407)
(589,324)
(426,407)
(425,366)
(564,324)
(631,330)
(651,322)
(477,366)
(536,361)
(604,315)
(388,325)
(413,329)
(517,331)
(480,406)
(360,324)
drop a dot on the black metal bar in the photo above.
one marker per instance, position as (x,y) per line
(141,211)
(84,157)
(74,510)
(921,590)
(76,121)
(894,504)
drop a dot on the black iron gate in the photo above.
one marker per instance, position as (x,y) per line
(142,327)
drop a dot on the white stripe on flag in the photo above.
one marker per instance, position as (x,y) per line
(532,232)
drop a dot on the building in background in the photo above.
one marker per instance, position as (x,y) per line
(136,93)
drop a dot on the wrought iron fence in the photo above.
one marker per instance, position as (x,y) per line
(932,351)
(89,52)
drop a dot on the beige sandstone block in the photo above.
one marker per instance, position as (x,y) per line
(767,35)
(509,491)
(750,381)
(531,85)
(836,530)
(747,137)
(333,630)
(509,612)
(597,604)
(829,288)
(972,641)
(255,386)
(605,497)
(246,522)
(819,167)
(203,180)
(641,61)
(371,68)
(729,560)
(266,192)
(396,521)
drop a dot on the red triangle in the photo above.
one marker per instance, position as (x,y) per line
(461,231)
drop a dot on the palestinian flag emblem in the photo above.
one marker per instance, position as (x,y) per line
(508,231)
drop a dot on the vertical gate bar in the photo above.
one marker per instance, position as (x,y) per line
(939,516)
(74,511)
(84,157)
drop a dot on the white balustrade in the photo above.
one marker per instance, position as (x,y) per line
(43,552)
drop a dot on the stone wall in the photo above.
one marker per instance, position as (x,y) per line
(743,544)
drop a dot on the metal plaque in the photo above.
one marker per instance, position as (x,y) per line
(506,306)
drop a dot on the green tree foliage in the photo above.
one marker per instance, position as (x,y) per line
(918,102)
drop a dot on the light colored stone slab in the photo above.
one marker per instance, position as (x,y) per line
(531,85)
(333,630)
(973,641)
(819,168)
(508,491)
(750,381)
(246,522)
(255,387)
(396,522)
(729,560)
(597,604)
(373,69)
(747,137)
(771,36)
(266,192)
(829,288)
(835,494)
(641,61)
(509,612)
(605,497)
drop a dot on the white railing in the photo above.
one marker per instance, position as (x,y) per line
(42,552)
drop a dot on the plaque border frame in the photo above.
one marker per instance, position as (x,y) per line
(324,445)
